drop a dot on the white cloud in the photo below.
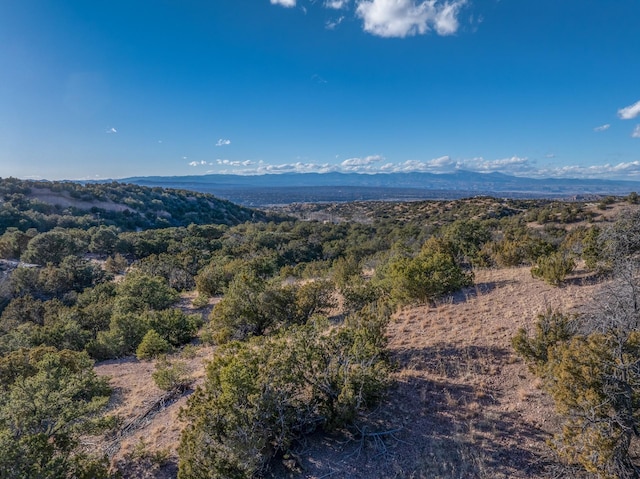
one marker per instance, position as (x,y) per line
(318,79)
(284,3)
(636,132)
(510,165)
(332,24)
(446,21)
(336,4)
(629,112)
(112,130)
(222,142)
(367,160)
(514,166)
(620,170)
(602,128)
(442,162)
(402,18)
(226,162)
(445,164)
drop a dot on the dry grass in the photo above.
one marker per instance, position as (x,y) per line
(466,405)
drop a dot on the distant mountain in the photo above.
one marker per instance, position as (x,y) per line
(260,190)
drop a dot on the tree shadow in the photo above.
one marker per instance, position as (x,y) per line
(478,289)
(436,425)
(583,280)
(445,360)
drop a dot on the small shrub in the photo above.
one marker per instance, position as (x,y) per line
(189,351)
(553,269)
(116,264)
(431,274)
(171,375)
(152,345)
(200,301)
(174,326)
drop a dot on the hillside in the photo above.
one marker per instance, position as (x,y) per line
(44,205)
(463,404)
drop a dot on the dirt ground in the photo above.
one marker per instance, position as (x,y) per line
(462,404)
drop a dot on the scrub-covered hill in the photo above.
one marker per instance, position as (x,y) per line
(44,205)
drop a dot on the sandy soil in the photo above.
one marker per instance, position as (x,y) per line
(64,200)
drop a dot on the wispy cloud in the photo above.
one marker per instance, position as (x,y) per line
(111,130)
(445,164)
(234,162)
(620,170)
(284,3)
(636,132)
(198,163)
(332,24)
(402,18)
(357,162)
(446,19)
(512,165)
(629,112)
(602,128)
(336,4)
(318,79)
(397,18)
(222,142)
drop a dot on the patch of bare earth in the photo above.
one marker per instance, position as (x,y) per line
(463,404)
(149,422)
(149,416)
(64,200)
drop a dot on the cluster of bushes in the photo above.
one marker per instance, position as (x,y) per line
(589,363)
(107,321)
(49,397)
(262,395)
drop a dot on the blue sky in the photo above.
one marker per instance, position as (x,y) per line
(118,88)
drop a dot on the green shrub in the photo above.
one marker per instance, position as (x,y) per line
(260,395)
(140,292)
(48,400)
(553,269)
(551,327)
(171,375)
(116,264)
(174,326)
(152,345)
(431,274)
(253,306)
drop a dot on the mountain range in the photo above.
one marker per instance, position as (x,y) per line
(262,190)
